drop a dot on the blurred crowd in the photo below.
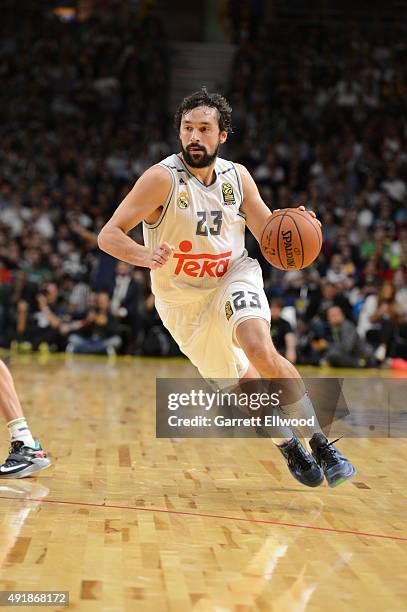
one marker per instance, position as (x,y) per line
(76,133)
(319,120)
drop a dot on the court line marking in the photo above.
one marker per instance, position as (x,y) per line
(198,514)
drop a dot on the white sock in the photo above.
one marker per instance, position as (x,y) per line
(19,430)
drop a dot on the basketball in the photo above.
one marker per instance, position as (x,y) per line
(291,239)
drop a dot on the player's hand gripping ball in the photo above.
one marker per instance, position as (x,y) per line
(291,238)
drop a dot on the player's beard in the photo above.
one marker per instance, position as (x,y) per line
(200,161)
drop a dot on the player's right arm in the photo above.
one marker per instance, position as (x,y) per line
(147,196)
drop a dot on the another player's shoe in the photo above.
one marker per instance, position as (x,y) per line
(301,464)
(23,460)
(336,467)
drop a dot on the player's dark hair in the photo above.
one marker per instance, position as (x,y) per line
(203,98)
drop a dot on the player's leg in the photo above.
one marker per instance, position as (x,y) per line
(243,297)
(244,311)
(26,455)
(300,463)
(253,335)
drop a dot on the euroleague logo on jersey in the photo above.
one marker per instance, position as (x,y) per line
(228,194)
(200,264)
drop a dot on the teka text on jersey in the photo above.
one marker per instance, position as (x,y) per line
(200,264)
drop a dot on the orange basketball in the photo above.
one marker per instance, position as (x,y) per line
(291,239)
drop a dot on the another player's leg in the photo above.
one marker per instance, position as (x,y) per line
(26,455)
(254,338)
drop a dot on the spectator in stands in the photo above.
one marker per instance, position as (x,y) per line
(100,333)
(341,346)
(282,332)
(380,321)
(126,304)
(40,326)
(326,296)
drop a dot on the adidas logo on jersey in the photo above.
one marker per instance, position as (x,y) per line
(181,181)
(200,264)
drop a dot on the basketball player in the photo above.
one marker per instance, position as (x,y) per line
(26,455)
(209,294)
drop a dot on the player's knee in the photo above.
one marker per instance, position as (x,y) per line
(261,354)
(5,373)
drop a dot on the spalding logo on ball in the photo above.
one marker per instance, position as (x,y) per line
(291,239)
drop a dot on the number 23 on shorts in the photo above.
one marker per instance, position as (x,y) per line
(245,299)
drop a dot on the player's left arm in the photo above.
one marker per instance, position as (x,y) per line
(255,209)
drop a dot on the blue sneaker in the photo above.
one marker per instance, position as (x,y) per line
(336,467)
(301,464)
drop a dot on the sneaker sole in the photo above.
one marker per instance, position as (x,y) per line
(31,469)
(342,479)
(313,484)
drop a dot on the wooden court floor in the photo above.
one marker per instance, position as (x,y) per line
(125,521)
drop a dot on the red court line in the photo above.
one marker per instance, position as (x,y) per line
(199,514)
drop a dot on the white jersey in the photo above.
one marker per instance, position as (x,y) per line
(204,225)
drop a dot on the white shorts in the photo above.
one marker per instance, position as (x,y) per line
(205,329)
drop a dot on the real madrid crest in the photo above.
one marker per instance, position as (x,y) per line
(228,194)
(183,201)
